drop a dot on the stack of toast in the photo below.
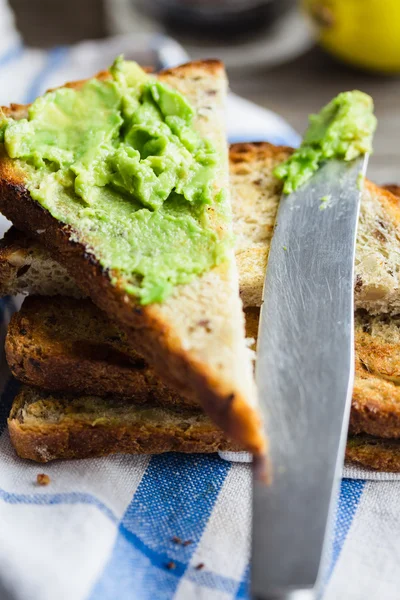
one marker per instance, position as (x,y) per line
(92,386)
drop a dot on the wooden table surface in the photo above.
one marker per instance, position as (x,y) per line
(304,85)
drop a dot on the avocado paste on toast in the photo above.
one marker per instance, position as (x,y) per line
(119,160)
(343,129)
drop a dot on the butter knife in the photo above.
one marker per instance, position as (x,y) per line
(305,371)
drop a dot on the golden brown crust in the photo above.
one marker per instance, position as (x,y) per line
(251,151)
(376,400)
(69,345)
(378,346)
(229,409)
(54,442)
(74,436)
(389,201)
(393,189)
(212,66)
(374,453)
(375,407)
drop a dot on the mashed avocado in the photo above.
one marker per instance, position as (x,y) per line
(121,162)
(343,129)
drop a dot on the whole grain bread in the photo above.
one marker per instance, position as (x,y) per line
(27,267)
(67,344)
(45,426)
(376,395)
(210,364)
(374,452)
(70,345)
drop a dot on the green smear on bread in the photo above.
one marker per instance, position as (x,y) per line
(343,129)
(120,161)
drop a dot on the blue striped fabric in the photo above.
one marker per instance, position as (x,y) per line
(141,506)
(175,498)
(11,54)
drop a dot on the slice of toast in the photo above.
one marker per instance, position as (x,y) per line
(376,395)
(70,345)
(63,344)
(45,427)
(27,267)
(374,452)
(66,344)
(210,364)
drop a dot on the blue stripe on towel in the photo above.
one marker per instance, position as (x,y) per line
(349,498)
(57,499)
(11,54)
(54,60)
(243,589)
(175,498)
(350,495)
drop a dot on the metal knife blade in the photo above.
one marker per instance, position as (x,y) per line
(304,372)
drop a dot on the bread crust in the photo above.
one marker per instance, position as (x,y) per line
(374,453)
(251,151)
(68,345)
(149,333)
(64,344)
(376,398)
(72,436)
(375,408)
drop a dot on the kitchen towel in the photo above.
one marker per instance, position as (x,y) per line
(170,526)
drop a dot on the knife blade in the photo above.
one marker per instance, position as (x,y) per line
(304,373)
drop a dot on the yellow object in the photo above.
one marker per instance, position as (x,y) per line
(364,33)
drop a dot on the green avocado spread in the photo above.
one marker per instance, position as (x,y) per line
(343,129)
(120,161)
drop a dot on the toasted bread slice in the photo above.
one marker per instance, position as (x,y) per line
(374,452)
(66,344)
(63,344)
(376,395)
(69,345)
(210,364)
(44,427)
(27,267)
